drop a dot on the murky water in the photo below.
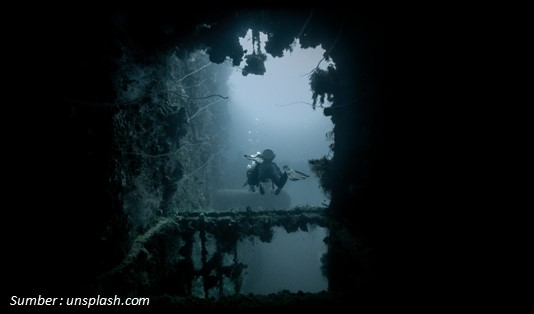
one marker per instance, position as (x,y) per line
(291,261)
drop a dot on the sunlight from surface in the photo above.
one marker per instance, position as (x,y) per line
(274,111)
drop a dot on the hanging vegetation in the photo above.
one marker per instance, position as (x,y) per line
(323,84)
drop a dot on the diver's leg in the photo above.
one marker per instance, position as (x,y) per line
(252,178)
(262,191)
(249,180)
(278,178)
(281,182)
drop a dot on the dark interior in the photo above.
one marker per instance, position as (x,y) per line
(61,150)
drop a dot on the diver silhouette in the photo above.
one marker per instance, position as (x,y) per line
(264,169)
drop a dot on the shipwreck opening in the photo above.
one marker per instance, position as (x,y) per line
(183,125)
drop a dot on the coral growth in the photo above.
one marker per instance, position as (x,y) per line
(169,131)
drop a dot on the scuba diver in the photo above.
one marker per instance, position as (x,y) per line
(264,169)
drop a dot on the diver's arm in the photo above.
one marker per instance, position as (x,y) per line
(257,158)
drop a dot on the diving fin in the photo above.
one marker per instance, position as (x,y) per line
(295,175)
